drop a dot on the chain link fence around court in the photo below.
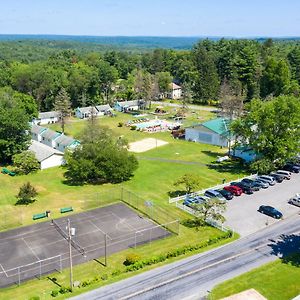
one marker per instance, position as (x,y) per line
(32,270)
(146,207)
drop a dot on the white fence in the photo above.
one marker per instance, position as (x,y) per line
(211,222)
(220,186)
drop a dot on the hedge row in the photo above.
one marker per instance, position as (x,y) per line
(177,252)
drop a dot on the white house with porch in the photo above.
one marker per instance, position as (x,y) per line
(49,117)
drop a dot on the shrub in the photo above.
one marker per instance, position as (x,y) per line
(120,124)
(54,293)
(64,290)
(131,259)
(133,127)
(26,194)
(104,277)
(116,273)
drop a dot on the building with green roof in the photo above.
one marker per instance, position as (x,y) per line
(213,132)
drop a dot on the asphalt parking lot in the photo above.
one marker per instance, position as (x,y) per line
(242,215)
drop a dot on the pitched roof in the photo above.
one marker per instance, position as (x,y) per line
(37,129)
(104,107)
(174,86)
(87,109)
(65,140)
(50,134)
(219,125)
(48,115)
(42,151)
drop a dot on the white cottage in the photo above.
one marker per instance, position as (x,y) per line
(49,137)
(63,142)
(47,156)
(49,117)
(36,132)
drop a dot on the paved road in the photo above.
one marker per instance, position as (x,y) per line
(242,215)
(191,278)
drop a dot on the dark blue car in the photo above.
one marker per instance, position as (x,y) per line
(270,211)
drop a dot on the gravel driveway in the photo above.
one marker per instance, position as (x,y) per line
(242,215)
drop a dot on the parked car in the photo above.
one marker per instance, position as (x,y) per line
(251,183)
(279,178)
(245,188)
(263,184)
(270,211)
(269,179)
(291,168)
(214,194)
(189,201)
(226,194)
(285,174)
(235,190)
(295,200)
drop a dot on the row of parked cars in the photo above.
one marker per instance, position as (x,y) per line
(249,186)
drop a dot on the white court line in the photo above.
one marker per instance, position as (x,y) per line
(123,221)
(30,249)
(100,229)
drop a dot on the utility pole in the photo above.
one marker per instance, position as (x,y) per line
(70,255)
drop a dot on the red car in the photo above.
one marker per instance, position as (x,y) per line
(233,189)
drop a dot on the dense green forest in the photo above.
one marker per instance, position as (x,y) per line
(92,73)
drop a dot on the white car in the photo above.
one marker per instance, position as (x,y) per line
(295,200)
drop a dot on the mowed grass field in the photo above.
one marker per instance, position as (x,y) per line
(154,179)
(276,281)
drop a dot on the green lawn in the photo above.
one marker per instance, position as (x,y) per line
(276,281)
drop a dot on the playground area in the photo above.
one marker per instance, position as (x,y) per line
(43,248)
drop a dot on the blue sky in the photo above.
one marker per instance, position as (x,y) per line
(239,18)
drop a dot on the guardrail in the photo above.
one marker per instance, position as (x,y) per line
(220,186)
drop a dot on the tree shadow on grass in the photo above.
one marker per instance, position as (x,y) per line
(212,153)
(230,166)
(25,201)
(287,249)
(177,193)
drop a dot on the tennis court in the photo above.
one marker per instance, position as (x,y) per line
(42,248)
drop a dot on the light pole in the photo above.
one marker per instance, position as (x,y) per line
(70,254)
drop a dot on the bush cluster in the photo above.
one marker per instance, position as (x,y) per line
(131,259)
(177,252)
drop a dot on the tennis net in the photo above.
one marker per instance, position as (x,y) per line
(65,235)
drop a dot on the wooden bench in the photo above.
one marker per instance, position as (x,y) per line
(66,209)
(39,216)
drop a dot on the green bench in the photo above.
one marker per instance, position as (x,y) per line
(8,172)
(39,216)
(66,209)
